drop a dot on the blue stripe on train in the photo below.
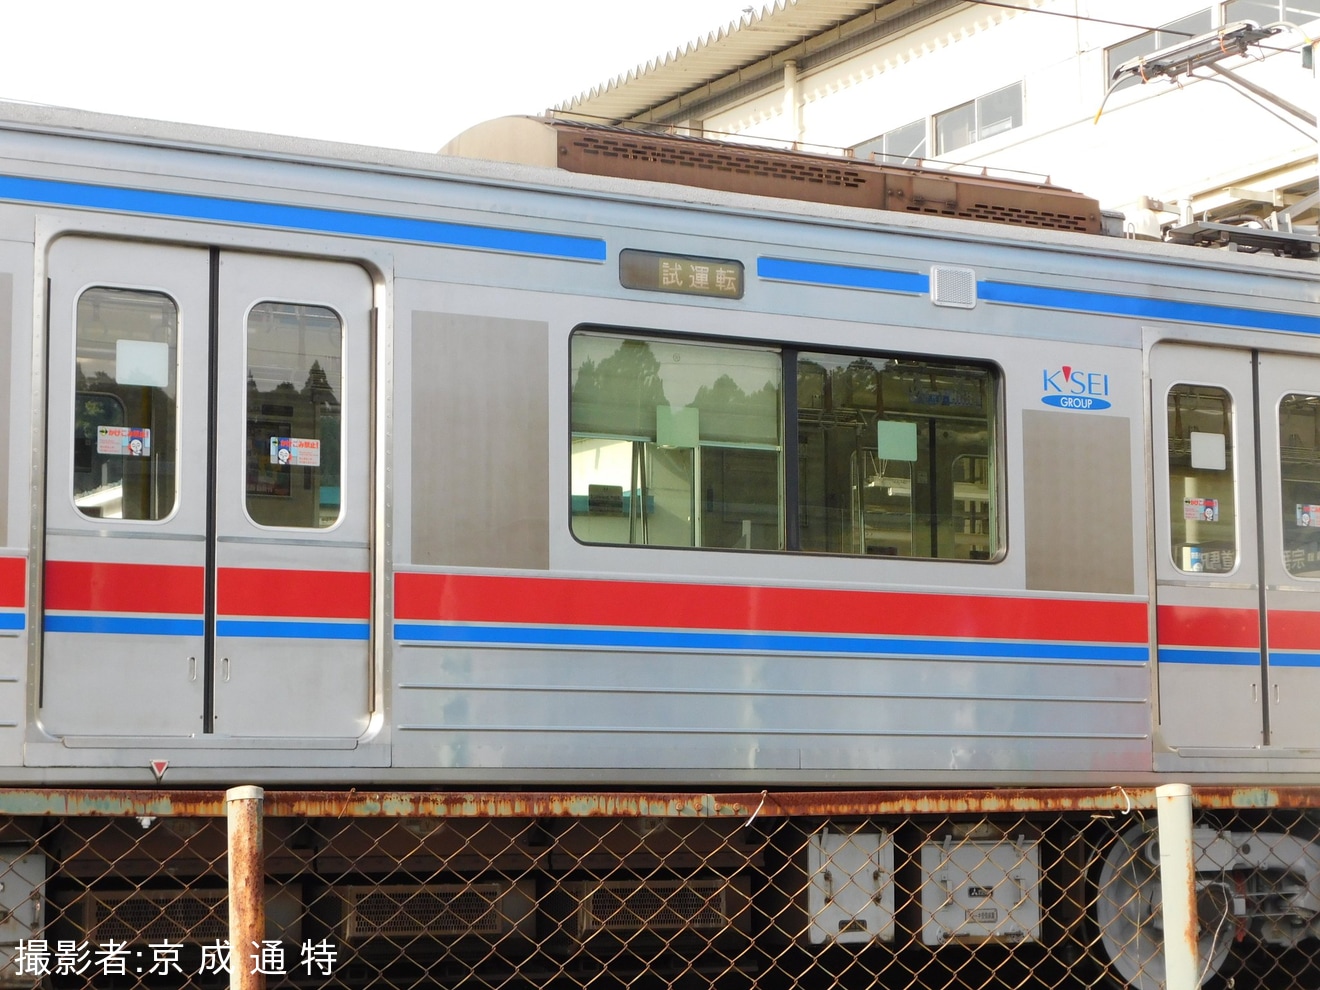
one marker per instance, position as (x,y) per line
(123,625)
(1237,658)
(1218,658)
(292,629)
(120,625)
(1103,303)
(155,203)
(670,639)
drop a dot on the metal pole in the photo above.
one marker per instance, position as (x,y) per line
(1315,79)
(247,901)
(1173,804)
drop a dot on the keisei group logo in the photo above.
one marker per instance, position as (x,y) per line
(1072,388)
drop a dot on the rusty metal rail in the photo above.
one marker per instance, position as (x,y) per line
(354,803)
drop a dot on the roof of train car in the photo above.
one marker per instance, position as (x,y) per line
(86,125)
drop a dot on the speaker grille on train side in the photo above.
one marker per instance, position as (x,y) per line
(157,916)
(197,916)
(434,910)
(696,905)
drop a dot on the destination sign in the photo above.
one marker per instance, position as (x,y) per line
(677,273)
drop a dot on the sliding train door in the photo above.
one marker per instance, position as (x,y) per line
(1290,511)
(124,584)
(1237,565)
(207,511)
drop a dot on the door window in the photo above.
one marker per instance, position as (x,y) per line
(294,397)
(1202,513)
(125,405)
(1299,491)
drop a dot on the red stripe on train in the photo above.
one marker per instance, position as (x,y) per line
(322,594)
(13,582)
(550,601)
(1189,625)
(1294,630)
(81,586)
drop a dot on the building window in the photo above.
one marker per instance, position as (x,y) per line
(1152,41)
(904,145)
(1269,11)
(978,119)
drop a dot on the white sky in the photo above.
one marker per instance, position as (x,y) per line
(396,73)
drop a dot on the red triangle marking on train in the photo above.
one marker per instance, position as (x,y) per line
(158,767)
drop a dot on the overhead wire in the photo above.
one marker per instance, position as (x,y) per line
(1083,18)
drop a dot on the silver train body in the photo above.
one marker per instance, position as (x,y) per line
(329,466)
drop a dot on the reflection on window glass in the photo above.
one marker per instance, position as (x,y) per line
(905,145)
(1299,463)
(983,117)
(294,398)
(675,444)
(1202,512)
(679,444)
(955,128)
(896,457)
(125,405)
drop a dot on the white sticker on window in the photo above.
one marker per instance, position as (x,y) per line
(1208,451)
(295,452)
(126,441)
(896,441)
(142,362)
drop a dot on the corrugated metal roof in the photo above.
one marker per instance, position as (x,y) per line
(777,29)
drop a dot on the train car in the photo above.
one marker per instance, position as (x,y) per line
(336,467)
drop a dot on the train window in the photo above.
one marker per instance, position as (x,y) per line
(1299,462)
(896,457)
(125,406)
(676,444)
(1202,513)
(679,444)
(294,396)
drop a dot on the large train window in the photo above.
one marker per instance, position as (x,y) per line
(896,457)
(1202,513)
(125,404)
(294,389)
(679,444)
(1299,461)
(676,444)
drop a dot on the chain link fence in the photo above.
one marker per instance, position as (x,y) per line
(979,890)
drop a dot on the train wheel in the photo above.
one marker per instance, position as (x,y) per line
(1129,919)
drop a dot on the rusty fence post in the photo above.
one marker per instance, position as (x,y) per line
(247,898)
(1173,805)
